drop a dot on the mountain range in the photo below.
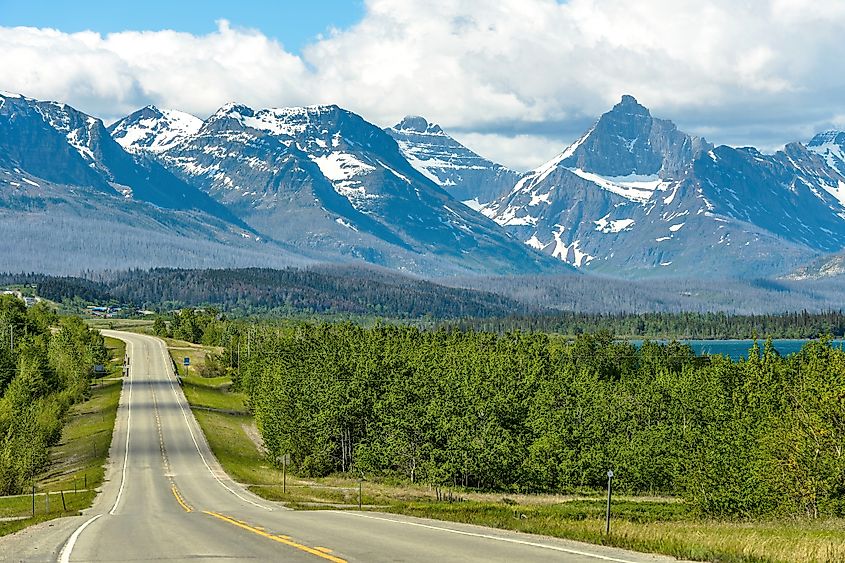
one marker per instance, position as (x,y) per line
(633,197)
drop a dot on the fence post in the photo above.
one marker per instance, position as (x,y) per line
(609,489)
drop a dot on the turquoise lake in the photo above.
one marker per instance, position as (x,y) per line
(737,349)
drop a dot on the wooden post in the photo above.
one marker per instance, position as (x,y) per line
(64,506)
(33,501)
(609,489)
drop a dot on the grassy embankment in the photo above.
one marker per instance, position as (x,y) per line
(130,325)
(77,462)
(660,525)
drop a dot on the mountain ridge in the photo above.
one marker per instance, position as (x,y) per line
(325,180)
(634,196)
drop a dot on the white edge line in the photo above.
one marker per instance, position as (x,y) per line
(64,556)
(128,425)
(196,445)
(490,537)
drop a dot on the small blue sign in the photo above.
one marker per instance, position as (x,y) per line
(187,361)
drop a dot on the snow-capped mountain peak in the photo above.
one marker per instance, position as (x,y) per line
(418,124)
(628,140)
(634,194)
(830,145)
(467,176)
(154,130)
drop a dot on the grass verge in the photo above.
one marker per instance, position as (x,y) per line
(77,462)
(646,524)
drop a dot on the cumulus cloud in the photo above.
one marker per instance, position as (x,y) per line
(516,79)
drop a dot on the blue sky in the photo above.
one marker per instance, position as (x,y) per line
(294,23)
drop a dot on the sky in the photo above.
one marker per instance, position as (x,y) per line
(515,80)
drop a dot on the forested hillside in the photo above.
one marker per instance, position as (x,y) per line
(801,324)
(257,291)
(42,372)
(525,412)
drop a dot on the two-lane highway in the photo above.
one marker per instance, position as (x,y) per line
(167,499)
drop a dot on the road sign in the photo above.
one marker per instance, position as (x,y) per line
(99,369)
(285,459)
(186,362)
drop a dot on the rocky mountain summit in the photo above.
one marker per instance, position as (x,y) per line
(467,176)
(634,196)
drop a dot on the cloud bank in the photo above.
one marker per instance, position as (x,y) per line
(514,79)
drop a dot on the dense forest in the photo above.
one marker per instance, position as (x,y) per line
(670,325)
(258,291)
(596,294)
(530,412)
(42,372)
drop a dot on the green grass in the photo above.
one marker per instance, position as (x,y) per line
(130,325)
(77,462)
(204,392)
(213,393)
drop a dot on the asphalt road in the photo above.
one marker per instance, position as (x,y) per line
(166,498)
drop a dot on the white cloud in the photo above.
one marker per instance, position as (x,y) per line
(520,152)
(753,72)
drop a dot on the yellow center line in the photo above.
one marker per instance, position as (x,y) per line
(179,499)
(281,539)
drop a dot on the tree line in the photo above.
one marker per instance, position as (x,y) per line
(800,324)
(263,291)
(42,372)
(531,412)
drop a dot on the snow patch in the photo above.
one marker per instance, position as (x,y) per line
(635,187)
(474,204)
(606,226)
(344,170)
(569,253)
(341,221)
(538,199)
(535,243)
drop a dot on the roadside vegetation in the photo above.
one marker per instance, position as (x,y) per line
(716,460)
(56,414)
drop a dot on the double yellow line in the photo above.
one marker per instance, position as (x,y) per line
(180,500)
(321,552)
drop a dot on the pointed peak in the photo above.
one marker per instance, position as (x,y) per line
(630,105)
(230,108)
(417,124)
(147,112)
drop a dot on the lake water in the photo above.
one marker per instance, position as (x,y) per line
(737,349)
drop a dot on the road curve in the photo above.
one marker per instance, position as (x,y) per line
(166,498)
